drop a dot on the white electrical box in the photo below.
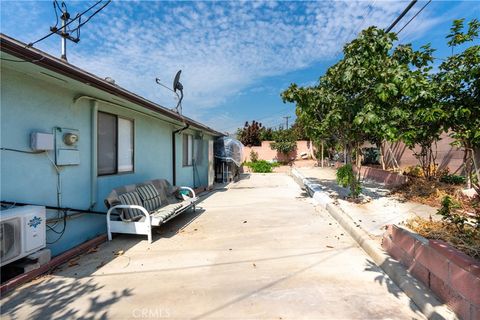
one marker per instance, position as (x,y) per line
(41,141)
(67,157)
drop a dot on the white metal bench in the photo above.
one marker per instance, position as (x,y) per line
(145,205)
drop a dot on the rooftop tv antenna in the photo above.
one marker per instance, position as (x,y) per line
(65,31)
(177,85)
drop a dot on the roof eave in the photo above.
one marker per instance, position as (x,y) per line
(40,58)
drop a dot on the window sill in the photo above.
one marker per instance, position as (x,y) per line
(115,174)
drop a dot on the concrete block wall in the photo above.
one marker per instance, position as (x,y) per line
(386,177)
(452,275)
(447,156)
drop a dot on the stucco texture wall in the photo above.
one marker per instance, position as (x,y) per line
(265,152)
(447,156)
(31,103)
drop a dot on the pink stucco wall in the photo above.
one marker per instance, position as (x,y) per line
(447,155)
(265,152)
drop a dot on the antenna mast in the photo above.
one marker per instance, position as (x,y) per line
(65,16)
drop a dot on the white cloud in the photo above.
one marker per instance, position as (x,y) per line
(222,47)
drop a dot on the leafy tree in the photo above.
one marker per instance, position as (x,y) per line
(423,119)
(285,141)
(360,97)
(249,135)
(298,131)
(266,134)
(459,90)
(368,95)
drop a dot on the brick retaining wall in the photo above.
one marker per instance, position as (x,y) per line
(452,275)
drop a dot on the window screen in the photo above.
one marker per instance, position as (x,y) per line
(198,147)
(187,149)
(107,143)
(115,144)
(125,145)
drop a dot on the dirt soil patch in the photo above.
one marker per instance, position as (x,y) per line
(432,192)
(465,240)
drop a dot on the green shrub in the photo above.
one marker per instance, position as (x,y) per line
(285,142)
(347,179)
(371,156)
(449,213)
(452,179)
(253,156)
(260,166)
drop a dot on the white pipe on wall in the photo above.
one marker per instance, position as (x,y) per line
(93,169)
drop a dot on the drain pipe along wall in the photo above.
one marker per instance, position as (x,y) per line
(174,152)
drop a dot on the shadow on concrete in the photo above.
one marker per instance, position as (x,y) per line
(392,287)
(56,298)
(180,222)
(177,224)
(255,291)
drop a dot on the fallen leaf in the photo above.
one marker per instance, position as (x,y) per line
(73,262)
(329,247)
(119,253)
(254,265)
(245,221)
(92,250)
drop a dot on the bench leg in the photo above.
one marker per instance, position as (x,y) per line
(109,233)
(149,235)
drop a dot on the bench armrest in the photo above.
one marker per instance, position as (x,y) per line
(130,206)
(190,190)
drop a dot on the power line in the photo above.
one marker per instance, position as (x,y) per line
(416,14)
(394,23)
(77,17)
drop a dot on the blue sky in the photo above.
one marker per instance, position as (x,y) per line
(236,57)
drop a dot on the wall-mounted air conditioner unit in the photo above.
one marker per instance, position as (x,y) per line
(22,232)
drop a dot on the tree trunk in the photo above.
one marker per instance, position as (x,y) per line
(322,154)
(382,152)
(467,160)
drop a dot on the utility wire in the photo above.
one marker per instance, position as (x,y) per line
(71,21)
(416,14)
(91,16)
(400,17)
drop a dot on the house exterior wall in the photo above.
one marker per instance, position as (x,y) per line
(185,174)
(30,104)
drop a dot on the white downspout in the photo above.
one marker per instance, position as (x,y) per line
(93,180)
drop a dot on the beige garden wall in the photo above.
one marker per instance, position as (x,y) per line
(265,152)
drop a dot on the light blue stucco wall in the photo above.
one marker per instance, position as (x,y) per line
(185,174)
(30,104)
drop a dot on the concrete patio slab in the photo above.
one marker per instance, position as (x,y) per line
(257,250)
